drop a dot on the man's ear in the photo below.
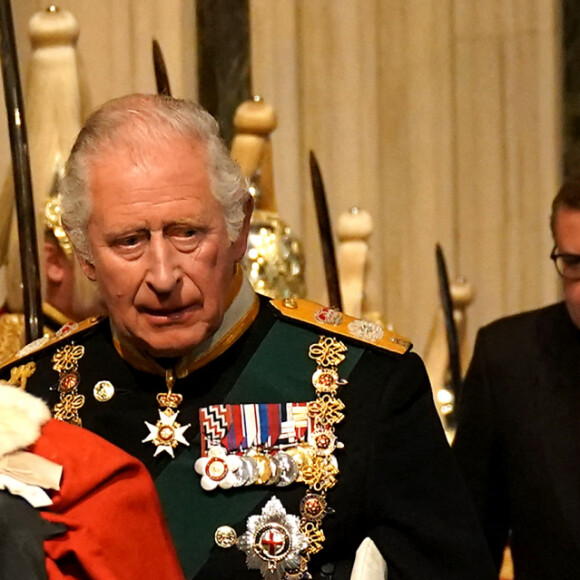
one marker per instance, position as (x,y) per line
(241,243)
(88,268)
(56,263)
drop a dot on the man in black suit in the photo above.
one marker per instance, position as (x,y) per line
(240,406)
(518,436)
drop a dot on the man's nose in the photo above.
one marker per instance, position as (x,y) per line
(163,272)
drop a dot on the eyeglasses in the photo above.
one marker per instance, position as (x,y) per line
(568,265)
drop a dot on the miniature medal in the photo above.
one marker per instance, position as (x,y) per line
(167,433)
(218,469)
(246,444)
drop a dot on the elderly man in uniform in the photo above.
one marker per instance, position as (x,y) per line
(280,434)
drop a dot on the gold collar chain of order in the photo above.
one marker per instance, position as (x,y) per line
(326,411)
(278,544)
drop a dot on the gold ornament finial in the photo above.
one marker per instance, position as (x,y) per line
(53,221)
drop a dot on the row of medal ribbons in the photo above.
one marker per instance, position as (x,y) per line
(262,443)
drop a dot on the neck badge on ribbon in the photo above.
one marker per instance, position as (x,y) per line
(167,433)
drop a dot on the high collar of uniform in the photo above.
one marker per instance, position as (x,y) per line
(241,312)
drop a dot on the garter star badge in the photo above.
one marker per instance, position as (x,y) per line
(273,541)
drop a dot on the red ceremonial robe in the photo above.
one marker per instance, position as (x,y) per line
(115,527)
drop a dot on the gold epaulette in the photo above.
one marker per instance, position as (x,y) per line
(11,332)
(332,320)
(46,341)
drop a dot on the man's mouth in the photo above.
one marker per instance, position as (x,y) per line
(168,315)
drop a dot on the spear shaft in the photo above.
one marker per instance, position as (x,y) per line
(21,174)
(326,239)
(450,327)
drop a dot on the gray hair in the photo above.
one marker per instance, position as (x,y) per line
(130,121)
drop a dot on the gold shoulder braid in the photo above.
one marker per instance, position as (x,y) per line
(335,321)
(278,544)
(65,363)
(11,334)
(49,340)
(20,375)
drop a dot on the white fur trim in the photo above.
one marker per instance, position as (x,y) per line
(21,417)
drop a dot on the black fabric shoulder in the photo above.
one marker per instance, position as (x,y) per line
(76,331)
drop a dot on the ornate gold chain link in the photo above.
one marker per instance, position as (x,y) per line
(320,474)
(65,363)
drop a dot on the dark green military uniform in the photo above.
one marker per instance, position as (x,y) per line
(398,483)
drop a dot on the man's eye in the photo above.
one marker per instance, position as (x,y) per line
(184,237)
(183,232)
(128,241)
(571,260)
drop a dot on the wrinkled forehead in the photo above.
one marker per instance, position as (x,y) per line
(148,141)
(168,165)
(151,154)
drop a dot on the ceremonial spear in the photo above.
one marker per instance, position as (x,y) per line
(450,327)
(326,239)
(161,76)
(21,174)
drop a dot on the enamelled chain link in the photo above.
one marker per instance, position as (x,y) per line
(65,362)
(326,411)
